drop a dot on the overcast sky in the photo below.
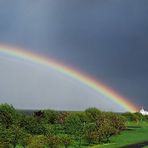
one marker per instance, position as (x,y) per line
(108,39)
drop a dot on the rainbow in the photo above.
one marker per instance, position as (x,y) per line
(99,87)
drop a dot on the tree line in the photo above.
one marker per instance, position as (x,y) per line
(51,129)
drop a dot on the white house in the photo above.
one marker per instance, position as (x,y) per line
(143,112)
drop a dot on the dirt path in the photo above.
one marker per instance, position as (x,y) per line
(137,145)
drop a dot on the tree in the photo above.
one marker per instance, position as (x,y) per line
(8,115)
(39,116)
(91,133)
(83,117)
(49,129)
(17,135)
(117,121)
(31,125)
(50,116)
(60,119)
(107,130)
(134,117)
(65,140)
(93,114)
(54,141)
(12,136)
(4,145)
(38,141)
(74,126)
(4,137)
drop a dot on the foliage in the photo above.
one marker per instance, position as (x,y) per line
(17,136)
(4,145)
(66,140)
(133,134)
(49,128)
(91,133)
(132,116)
(8,115)
(74,126)
(31,125)
(38,141)
(92,114)
(116,121)
(50,116)
(4,136)
(61,117)
(54,141)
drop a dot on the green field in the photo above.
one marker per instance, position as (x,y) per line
(134,134)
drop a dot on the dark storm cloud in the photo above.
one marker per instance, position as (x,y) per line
(106,38)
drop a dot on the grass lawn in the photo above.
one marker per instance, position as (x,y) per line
(134,134)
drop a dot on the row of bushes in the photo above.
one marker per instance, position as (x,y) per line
(48,128)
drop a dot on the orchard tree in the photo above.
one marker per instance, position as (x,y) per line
(93,114)
(8,115)
(54,141)
(83,117)
(50,116)
(117,121)
(4,145)
(91,133)
(104,128)
(31,125)
(38,141)
(13,136)
(74,126)
(17,136)
(49,129)
(60,119)
(131,116)
(107,130)
(65,140)
(4,137)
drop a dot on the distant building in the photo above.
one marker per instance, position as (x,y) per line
(143,112)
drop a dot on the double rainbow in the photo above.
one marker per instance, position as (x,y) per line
(23,54)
